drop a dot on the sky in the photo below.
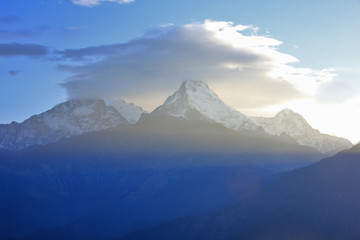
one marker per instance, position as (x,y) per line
(258,56)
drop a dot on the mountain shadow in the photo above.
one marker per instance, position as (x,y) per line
(106,183)
(320,201)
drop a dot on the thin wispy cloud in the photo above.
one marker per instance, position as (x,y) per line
(92,3)
(9,34)
(75,28)
(336,91)
(8,19)
(247,70)
(86,54)
(18,49)
(34,32)
(14,34)
(13,73)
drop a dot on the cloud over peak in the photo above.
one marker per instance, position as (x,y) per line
(246,69)
(92,3)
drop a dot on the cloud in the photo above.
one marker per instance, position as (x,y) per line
(247,70)
(336,91)
(74,28)
(7,34)
(8,19)
(92,3)
(86,54)
(24,33)
(17,49)
(13,73)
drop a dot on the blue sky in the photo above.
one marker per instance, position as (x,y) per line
(320,34)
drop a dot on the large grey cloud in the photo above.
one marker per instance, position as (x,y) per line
(248,70)
(18,49)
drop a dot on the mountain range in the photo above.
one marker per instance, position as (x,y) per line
(71,118)
(194,100)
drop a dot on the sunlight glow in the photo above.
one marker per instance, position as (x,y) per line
(324,117)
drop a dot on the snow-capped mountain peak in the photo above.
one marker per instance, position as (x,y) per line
(287,112)
(291,123)
(67,119)
(294,125)
(129,111)
(196,92)
(196,101)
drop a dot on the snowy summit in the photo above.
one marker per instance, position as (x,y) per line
(67,119)
(294,125)
(129,111)
(196,101)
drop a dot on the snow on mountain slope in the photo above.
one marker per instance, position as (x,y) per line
(294,125)
(66,119)
(129,111)
(196,101)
